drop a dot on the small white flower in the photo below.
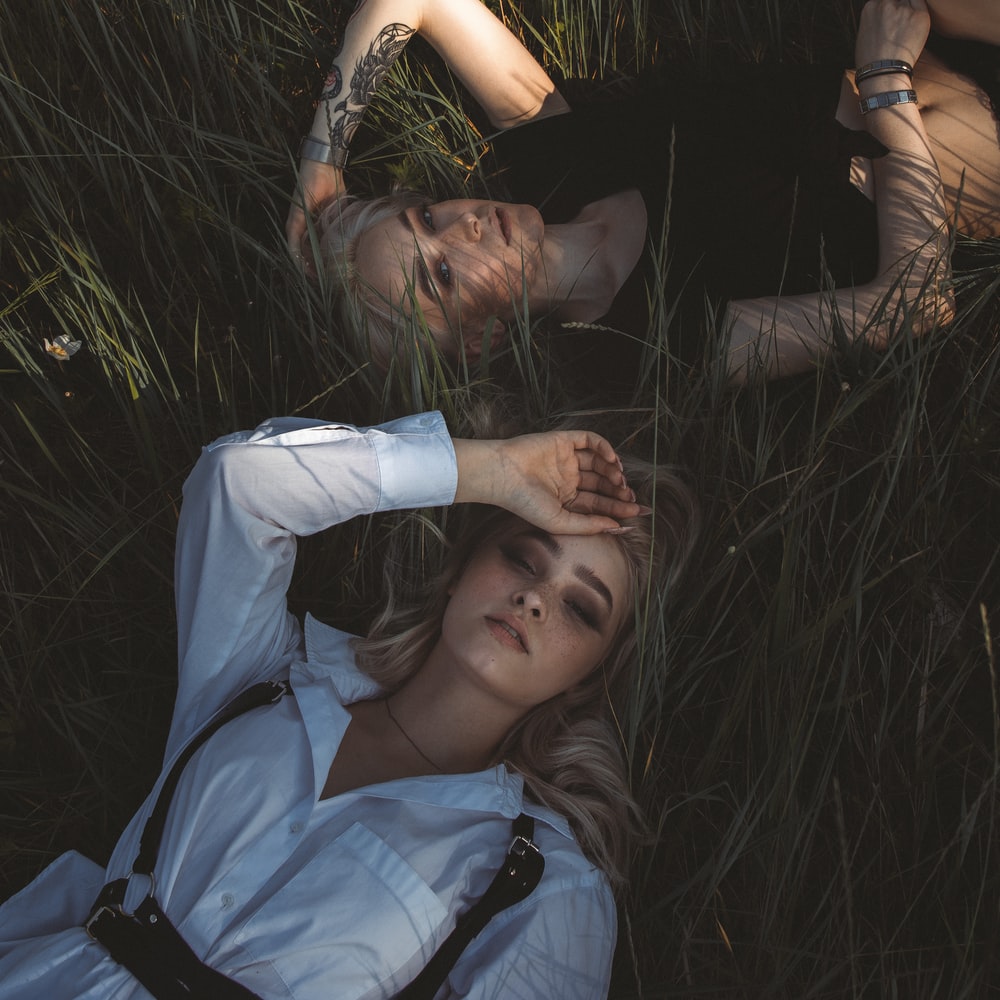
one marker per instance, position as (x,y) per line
(63,347)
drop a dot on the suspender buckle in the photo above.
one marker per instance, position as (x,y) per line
(95,915)
(521,846)
(111,902)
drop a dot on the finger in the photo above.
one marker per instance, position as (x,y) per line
(571,523)
(596,504)
(599,446)
(591,482)
(295,227)
(592,461)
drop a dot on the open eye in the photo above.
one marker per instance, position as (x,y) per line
(426,217)
(445,271)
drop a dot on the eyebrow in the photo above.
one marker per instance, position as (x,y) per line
(583,573)
(418,259)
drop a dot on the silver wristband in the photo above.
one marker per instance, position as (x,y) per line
(322,152)
(887,99)
(882,66)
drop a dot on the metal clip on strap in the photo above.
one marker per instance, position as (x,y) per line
(144,941)
(150,947)
(147,944)
(264,693)
(518,875)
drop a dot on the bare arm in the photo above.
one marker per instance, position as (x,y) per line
(497,69)
(784,335)
(499,72)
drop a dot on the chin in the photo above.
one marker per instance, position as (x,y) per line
(533,225)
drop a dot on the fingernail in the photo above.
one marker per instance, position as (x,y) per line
(618,531)
(643,511)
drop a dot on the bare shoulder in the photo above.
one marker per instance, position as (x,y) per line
(976,20)
(965,138)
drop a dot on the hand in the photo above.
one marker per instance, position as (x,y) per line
(565,482)
(318,183)
(892,29)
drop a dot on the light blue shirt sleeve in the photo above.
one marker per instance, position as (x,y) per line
(247,498)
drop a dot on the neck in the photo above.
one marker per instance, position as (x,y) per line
(574,265)
(585,262)
(454,723)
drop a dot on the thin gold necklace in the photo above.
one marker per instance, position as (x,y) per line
(408,739)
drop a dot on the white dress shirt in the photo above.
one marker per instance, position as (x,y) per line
(294,896)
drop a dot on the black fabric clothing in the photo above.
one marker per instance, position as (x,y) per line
(745,178)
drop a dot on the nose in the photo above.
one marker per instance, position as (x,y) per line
(531,600)
(467,227)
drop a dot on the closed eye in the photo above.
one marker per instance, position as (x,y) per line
(580,612)
(517,559)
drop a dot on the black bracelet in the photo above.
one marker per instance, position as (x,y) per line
(887,99)
(880,67)
(322,152)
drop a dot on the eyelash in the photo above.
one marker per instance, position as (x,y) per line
(444,271)
(515,557)
(583,614)
(578,610)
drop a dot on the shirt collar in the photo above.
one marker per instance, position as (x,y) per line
(329,679)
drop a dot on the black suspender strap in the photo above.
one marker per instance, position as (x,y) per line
(144,940)
(518,875)
(152,949)
(146,943)
(264,693)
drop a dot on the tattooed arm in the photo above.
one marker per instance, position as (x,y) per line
(498,71)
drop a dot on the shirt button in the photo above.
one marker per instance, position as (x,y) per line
(228,900)
(296,827)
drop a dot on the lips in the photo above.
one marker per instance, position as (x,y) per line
(504,223)
(507,634)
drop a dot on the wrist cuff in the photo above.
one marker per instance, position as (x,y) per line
(887,99)
(880,67)
(321,152)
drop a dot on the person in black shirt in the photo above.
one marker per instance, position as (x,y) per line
(787,202)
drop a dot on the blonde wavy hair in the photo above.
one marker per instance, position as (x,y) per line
(568,749)
(360,313)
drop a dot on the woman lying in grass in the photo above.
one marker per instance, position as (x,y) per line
(324,843)
(763,189)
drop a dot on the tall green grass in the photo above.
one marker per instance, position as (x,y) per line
(814,729)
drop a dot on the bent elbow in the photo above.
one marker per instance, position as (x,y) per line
(918,299)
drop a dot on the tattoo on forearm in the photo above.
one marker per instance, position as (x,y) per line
(343,118)
(332,84)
